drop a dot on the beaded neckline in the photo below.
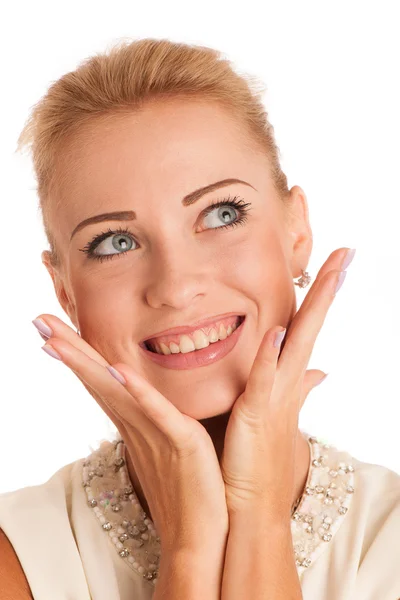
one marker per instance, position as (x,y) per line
(319,513)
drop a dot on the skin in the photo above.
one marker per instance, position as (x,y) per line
(182,266)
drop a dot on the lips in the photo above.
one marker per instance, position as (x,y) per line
(178,331)
(199,358)
(229,323)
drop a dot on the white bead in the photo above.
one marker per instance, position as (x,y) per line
(314,510)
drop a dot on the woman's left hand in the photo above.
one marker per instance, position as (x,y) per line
(258,460)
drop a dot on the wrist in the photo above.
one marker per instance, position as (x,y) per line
(195,549)
(257,521)
(191,574)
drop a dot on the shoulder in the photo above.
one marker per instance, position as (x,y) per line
(22,514)
(378,486)
(377,500)
(58,486)
(376,530)
(13,582)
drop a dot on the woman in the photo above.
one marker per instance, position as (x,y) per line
(210,489)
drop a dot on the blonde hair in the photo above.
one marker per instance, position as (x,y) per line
(122,80)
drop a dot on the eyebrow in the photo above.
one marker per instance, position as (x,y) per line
(130,215)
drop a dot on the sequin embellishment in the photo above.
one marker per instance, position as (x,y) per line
(325,502)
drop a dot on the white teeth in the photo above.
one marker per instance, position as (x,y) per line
(186,344)
(200,340)
(213,336)
(222,332)
(165,349)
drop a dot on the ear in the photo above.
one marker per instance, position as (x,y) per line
(300,238)
(60,287)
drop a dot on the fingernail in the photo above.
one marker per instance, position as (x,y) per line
(279,337)
(42,327)
(117,375)
(50,350)
(348,258)
(339,284)
(321,380)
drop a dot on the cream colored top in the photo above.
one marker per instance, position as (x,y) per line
(83,535)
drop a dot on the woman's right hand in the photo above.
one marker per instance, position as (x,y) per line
(172,453)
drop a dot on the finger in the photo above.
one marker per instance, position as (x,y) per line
(62,331)
(261,378)
(138,403)
(299,344)
(157,407)
(334,263)
(98,378)
(139,435)
(312,378)
(111,414)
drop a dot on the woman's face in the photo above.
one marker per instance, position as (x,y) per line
(175,265)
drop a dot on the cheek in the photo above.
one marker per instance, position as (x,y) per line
(261,273)
(104,307)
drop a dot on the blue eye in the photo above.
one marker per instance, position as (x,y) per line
(119,236)
(119,239)
(222,209)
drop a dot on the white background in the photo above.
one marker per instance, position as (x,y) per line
(332,77)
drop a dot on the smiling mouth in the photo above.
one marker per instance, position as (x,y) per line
(188,343)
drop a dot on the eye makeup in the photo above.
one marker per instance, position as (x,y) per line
(241,207)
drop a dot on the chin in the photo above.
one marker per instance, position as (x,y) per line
(201,410)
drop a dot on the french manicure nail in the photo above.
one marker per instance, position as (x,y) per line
(117,375)
(321,380)
(50,350)
(42,327)
(348,258)
(342,277)
(279,337)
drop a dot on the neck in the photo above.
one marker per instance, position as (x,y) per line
(216,427)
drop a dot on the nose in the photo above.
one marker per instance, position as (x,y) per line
(176,282)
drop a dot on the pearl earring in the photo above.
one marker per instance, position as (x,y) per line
(304,280)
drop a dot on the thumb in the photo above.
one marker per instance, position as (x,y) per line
(312,378)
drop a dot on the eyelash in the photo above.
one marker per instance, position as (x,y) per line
(236,202)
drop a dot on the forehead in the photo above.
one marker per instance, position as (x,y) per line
(163,150)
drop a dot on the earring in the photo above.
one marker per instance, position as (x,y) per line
(304,280)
